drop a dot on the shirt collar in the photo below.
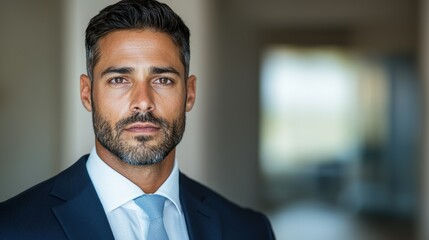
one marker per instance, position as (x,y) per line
(114,190)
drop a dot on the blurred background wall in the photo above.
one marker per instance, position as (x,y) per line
(31,96)
(352,168)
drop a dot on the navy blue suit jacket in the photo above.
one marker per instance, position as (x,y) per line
(67,207)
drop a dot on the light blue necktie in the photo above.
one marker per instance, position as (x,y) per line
(153,205)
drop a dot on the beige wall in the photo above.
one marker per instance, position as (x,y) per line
(424,57)
(30,53)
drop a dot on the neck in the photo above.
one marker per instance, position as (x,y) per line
(149,178)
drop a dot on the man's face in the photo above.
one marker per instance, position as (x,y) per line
(138,97)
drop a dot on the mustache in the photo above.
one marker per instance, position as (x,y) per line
(141,117)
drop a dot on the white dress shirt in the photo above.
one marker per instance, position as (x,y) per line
(127,220)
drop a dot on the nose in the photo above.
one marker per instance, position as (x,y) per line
(141,99)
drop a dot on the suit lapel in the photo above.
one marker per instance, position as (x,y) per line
(81,215)
(201,220)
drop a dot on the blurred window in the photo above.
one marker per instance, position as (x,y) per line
(318,105)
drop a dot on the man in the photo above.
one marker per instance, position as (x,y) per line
(138,89)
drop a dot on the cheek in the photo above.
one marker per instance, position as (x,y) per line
(170,106)
(109,107)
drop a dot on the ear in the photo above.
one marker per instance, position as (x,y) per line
(191,87)
(85,92)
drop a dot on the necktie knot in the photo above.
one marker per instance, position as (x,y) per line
(152,204)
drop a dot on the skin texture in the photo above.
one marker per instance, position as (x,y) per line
(139,71)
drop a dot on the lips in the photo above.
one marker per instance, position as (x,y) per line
(142,127)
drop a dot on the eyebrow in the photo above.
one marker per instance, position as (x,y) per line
(120,70)
(161,70)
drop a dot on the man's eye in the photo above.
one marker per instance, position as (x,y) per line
(164,81)
(117,80)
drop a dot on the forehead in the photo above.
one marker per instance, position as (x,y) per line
(138,47)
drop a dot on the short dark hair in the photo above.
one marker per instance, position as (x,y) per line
(136,14)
